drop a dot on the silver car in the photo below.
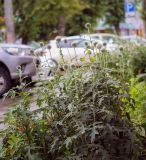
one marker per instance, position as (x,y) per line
(15,61)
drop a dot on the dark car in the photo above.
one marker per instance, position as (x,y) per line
(15,61)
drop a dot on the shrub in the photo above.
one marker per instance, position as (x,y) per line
(138,61)
(137,93)
(81,115)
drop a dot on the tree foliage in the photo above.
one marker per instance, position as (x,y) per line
(95,9)
(115,13)
(41,20)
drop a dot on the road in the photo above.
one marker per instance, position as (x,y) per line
(6,104)
(4,107)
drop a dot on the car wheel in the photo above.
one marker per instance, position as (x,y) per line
(5,81)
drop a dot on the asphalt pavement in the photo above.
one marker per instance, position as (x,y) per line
(5,105)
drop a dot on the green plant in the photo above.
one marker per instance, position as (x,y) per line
(81,115)
(138,61)
(137,93)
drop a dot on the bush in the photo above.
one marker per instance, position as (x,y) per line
(137,93)
(138,61)
(81,115)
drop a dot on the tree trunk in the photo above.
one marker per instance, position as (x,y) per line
(10,33)
(117,29)
(61,27)
(25,39)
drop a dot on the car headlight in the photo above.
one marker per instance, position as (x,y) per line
(49,63)
(18,51)
(52,64)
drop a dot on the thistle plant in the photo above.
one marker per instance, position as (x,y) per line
(81,114)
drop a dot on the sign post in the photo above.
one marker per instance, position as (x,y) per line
(132,17)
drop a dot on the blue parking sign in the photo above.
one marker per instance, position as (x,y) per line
(130,8)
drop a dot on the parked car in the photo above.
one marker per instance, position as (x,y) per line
(105,37)
(14,58)
(111,40)
(67,49)
(134,39)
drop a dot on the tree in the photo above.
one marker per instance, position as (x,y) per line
(93,10)
(39,20)
(114,13)
(42,20)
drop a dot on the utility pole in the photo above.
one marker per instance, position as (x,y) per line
(144,17)
(10,32)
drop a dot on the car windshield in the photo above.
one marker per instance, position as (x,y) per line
(67,43)
(83,44)
(87,43)
(77,43)
(108,39)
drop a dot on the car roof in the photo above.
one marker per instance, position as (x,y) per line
(7,45)
(132,37)
(67,37)
(104,34)
(75,38)
(86,36)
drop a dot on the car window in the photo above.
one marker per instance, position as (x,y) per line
(67,43)
(87,43)
(95,37)
(108,39)
(83,44)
